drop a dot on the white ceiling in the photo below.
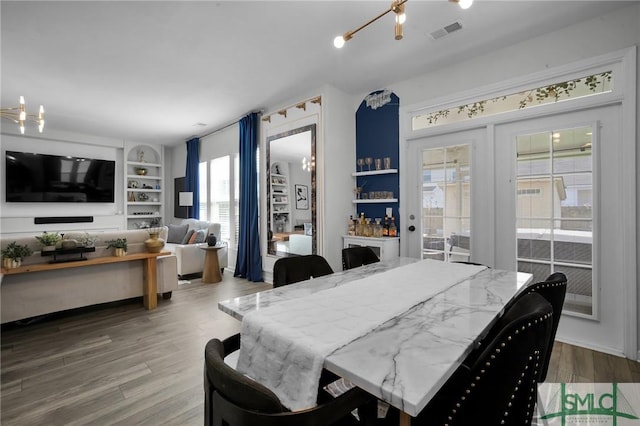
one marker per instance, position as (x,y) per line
(149,71)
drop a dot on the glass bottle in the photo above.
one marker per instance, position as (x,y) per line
(377,228)
(360,226)
(368,232)
(385,227)
(393,231)
(351,228)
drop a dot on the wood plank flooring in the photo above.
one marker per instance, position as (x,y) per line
(123,365)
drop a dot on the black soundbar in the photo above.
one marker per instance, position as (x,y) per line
(62,219)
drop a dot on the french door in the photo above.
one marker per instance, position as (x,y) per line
(544,196)
(557,182)
(439,196)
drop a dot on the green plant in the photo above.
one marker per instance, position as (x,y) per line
(15,251)
(117,243)
(49,238)
(87,240)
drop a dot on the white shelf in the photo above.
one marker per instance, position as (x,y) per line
(154,178)
(144,203)
(376,201)
(144,177)
(139,164)
(375,172)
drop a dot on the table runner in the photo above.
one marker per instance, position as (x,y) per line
(284,346)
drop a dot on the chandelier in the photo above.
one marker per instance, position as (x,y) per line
(397,7)
(19,115)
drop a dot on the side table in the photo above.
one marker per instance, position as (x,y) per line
(211,273)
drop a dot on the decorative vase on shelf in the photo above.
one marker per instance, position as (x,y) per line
(212,240)
(119,252)
(153,243)
(9,263)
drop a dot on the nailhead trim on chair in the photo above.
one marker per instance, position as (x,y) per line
(454,411)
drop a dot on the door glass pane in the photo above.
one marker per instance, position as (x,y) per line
(555,210)
(446,203)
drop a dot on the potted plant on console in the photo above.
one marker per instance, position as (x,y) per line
(119,245)
(13,254)
(49,240)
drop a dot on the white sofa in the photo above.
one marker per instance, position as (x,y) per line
(38,293)
(189,256)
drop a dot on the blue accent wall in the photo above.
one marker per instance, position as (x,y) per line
(377,136)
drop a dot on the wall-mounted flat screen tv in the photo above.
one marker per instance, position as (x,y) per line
(36,178)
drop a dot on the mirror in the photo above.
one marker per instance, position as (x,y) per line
(291,192)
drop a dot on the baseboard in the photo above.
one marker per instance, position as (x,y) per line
(598,348)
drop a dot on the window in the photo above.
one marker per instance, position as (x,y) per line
(555,218)
(219,206)
(446,203)
(215,186)
(594,84)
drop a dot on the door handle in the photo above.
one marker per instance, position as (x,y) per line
(411,228)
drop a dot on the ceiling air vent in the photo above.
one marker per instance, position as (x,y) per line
(446,30)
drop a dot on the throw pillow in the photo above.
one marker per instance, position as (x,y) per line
(187,237)
(176,233)
(192,239)
(201,236)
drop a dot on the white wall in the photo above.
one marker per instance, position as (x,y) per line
(18,218)
(590,38)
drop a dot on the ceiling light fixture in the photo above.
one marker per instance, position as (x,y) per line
(464,4)
(19,115)
(397,6)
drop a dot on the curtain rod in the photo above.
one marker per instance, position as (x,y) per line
(226,126)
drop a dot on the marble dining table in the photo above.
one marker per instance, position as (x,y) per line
(427,316)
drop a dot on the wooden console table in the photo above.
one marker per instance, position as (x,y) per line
(150,284)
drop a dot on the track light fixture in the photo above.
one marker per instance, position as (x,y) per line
(397,7)
(18,115)
(464,4)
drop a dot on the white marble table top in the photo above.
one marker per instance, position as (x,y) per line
(240,306)
(405,360)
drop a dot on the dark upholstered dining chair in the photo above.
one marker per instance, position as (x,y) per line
(500,386)
(352,257)
(553,289)
(289,270)
(233,399)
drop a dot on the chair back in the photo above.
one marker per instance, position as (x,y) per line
(233,399)
(352,257)
(553,289)
(236,387)
(289,270)
(499,386)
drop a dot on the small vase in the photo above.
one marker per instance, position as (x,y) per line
(212,240)
(119,252)
(49,248)
(153,243)
(11,263)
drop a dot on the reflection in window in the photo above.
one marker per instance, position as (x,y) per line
(446,203)
(555,210)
